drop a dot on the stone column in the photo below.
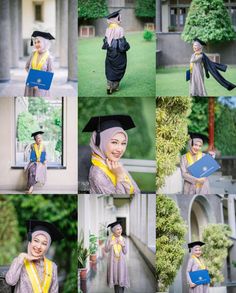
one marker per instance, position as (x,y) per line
(57,37)
(14,33)
(158,16)
(20,35)
(72,40)
(5,44)
(63,33)
(231,214)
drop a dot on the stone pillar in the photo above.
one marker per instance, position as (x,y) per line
(231,214)
(14,33)
(72,40)
(63,33)
(158,16)
(5,44)
(20,36)
(57,37)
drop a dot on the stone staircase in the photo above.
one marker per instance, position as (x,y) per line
(222,184)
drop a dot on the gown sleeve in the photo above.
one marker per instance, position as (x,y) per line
(28,63)
(195,58)
(54,285)
(184,171)
(189,269)
(101,184)
(13,274)
(50,64)
(108,245)
(124,248)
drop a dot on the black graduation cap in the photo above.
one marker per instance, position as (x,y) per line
(204,138)
(101,123)
(114,224)
(36,133)
(51,229)
(44,35)
(113,14)
(195,243)
(199,41)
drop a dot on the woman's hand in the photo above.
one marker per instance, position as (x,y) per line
(201,180)
(213,154)
(116,168)
(113,242)
(121,242)
(192,285)
(24,255)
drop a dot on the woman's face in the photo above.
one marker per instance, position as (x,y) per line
(116,147)
(196,48)
(118,231)
(197,251)
(39,245)
(38,138)
(196,147)
(37,44)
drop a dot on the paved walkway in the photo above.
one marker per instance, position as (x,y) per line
(60,86)
(141,278)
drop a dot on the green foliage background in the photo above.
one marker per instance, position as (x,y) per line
(217,239)
(9,234)
(225,122)
(90,9)
(208,20)
(145,8)
(171,133)
(141,143)
(170,237)
(59,209)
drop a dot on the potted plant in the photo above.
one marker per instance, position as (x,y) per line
(93,246)
(83,254)
(216,237)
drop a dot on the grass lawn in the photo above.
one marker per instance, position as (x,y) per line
(139,79)
(171,82)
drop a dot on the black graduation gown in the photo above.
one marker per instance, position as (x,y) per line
(116,59)
(213,68)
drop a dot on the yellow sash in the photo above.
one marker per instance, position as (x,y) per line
(190,158)
(39,66)
(113,25)
(96,161)
(38,151)
(201,265)
(39,286)
(117,247)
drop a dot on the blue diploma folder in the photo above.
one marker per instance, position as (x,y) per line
(200,277)
(204,167)
(187,75)
(39,78)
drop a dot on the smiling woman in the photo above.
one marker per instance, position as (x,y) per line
(193,185)
(32,271)
(108,144)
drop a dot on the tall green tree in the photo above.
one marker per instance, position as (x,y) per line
(171,134)
(90,9)
(170,237)
(209,21)
(217,239)
(26,124)
(145,8)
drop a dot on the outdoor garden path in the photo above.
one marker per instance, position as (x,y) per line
(141,277)
(60,86)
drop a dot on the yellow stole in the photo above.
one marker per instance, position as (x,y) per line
(113,25)
(38,285)
(199,262)
(38,151)
(190,158)
(97,161)
(117,247)
(43,59)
